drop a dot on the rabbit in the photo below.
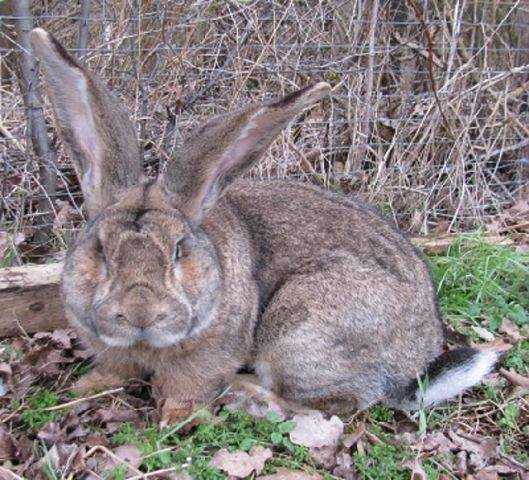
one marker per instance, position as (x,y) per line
(190,276)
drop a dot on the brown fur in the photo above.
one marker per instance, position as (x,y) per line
(319,292)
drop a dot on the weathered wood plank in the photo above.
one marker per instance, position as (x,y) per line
(30,300)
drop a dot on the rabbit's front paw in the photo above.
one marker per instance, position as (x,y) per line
(96,381)
(176,410)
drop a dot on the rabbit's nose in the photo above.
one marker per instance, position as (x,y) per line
(120,318)
(140,318)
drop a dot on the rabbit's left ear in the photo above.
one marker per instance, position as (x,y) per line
(229,145)
(95,127)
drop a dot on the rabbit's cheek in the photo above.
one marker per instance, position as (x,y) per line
(188,273)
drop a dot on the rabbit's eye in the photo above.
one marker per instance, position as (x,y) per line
(178,251)
(101,252)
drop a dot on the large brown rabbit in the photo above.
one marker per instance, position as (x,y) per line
(198,273)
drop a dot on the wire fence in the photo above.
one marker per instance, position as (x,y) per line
(428,118)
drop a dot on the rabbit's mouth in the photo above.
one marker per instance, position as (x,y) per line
(159,336)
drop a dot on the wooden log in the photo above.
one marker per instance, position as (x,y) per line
(438,244)
(30,300)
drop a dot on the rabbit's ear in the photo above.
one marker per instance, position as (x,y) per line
(94,126)
(227,146)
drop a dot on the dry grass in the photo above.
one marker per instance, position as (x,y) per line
(428,119)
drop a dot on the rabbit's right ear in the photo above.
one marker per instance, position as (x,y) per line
(94,126)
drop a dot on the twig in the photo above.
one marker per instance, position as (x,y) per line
(429,40)
(10,474)
(82,40)
(368,112)
(152,474)
(34,110)
(84,399)
(115,457)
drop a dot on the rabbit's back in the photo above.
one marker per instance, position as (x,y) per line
(335,275)
(295,228)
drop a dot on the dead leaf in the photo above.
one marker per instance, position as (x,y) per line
(63,455)
(491,472)
(417,472)
(241,464)
(348,440)
(129,454)
(51,433)
(285,474)
(259,456)
(324,456)
(515,378)
(511,330)
(344,467)
(111,415)
(437,442)
(484,447)
(483,333)
(461,463)
(477,461)
(7,446)
(312,430)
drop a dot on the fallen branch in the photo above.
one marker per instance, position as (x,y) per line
(30,299)
(35,115)
(440,244)
(84,399)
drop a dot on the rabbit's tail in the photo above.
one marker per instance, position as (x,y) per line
(447,376)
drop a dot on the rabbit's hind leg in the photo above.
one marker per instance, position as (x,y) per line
(307,351)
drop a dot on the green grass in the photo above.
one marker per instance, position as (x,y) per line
(482,283)
(35,416)
(385,461)
(518,358)
(232,430)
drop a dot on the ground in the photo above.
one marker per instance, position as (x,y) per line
(47,432)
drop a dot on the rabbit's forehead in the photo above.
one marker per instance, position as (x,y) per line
(165,226)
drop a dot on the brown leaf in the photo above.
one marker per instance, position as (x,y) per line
(7,446)
(348,440)
(5,370)
(62,455)
(312,430)
(344,467)
(417,472)
(111,415)
(129,454)
(51,433)
(62,338)
(491,472)
(461,463)
(65,215)
(96,439)
(437,442)
(481,446)
(241,464)
(324,456)
(511,330)
(285,474)
(515,378)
